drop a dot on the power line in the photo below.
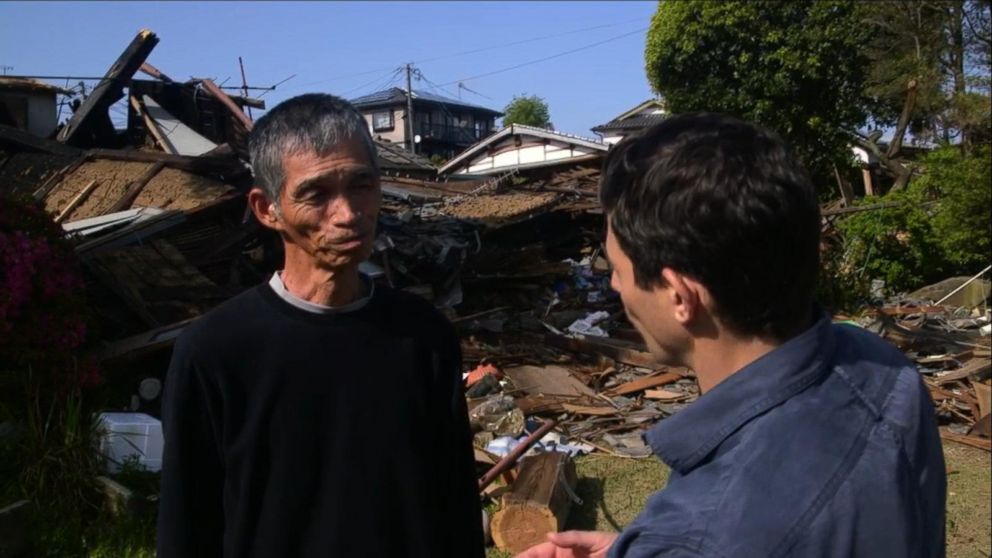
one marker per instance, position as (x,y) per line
(466,134)
(392,76)
(525,41)
(546,58)
(473,51)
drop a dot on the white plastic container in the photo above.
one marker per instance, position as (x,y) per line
(129,435)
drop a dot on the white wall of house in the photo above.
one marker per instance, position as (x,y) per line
(507,155)
(34,111)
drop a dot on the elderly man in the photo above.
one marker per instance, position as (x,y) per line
(810,439)
(318,414)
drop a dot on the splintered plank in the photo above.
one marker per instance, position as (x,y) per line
(611,349)
(648,382)
(547,380)
(975,367)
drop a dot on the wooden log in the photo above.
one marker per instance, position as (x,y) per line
(77,200)
(537,503)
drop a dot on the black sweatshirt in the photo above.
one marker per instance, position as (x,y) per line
(289,433)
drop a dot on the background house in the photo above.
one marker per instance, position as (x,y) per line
(520,147)
(29,105)
(646,114)
(446,126)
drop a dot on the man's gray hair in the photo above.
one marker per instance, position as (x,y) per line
(314,122)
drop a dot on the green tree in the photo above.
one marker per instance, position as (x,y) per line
(529,110)
(937,227)
(963,184)
(797,67)
(929,72)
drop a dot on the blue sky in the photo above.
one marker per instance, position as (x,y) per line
(326,43)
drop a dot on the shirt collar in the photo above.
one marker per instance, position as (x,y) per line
(277,285)
(684,439)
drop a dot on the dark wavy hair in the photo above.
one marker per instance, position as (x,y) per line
(724,202)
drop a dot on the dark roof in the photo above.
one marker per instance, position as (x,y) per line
(395,157)
(396,96)
(13,83)
(631,123)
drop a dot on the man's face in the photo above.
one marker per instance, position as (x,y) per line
(329,204)
(649,311)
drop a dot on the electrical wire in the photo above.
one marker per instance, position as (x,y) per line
(473,51)
(390,79)
(525,41)
(546,58)
(465,133)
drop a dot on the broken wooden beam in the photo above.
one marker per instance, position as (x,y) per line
(225,100)
(152,127)
(77,200)
(134,189)
(154,72)
(92,118)
(966,439)
(509,459)
(610,349)
(538,502)
(21,139)
(143,343)
(977,367)
(647,382)
(209,164)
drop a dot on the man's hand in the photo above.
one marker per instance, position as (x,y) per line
(572,544)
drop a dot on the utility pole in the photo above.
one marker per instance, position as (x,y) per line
(244,86)
(6,69)
(409,111)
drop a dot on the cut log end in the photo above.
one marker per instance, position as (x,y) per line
(519,527)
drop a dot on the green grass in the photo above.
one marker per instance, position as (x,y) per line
(614,490)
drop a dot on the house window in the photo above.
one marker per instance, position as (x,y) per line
(382,120)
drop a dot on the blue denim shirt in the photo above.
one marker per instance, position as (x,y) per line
(826,446)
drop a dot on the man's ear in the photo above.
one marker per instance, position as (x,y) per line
(265,210)
(686,295)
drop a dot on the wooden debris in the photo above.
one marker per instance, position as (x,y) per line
(968,440)
(624,353)
(648,382)
(664,395)
(975,367)
(547,380)
(91,121)
(75,201)
(537,503)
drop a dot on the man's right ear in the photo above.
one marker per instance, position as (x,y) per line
(265,209)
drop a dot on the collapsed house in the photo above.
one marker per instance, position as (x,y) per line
(505,238)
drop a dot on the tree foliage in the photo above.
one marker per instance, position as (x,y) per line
(929,73)
(529,110)
(797,67)
(938,227)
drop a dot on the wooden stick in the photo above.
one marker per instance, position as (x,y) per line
(515,454)
(152,127)
(77,200)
